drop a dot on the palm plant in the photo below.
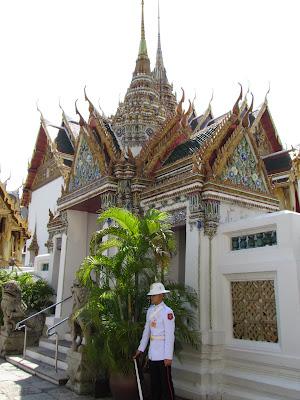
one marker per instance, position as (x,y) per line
(128,255)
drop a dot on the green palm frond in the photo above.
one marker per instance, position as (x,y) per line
(124,218)
(109,244)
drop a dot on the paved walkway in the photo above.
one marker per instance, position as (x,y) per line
(16,384)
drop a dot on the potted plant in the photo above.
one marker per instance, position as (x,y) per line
(139,251)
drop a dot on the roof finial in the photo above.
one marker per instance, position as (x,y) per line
(159,59)
(8,179)
(100,108)
(158,17)
(266,96)
(143,25)
(159,71)
(81,120)
(143,45)
(37,107)
(91,106)
(245,120)
(143,62)
(236,108)
(61,107)
(195,96)
(211,98)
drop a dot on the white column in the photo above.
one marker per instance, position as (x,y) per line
(191,255)
(61,274)
(51,266)
(76,251)
(192,260)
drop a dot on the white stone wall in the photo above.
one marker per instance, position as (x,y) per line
(232,369)
(42,200)
(262,370)
(39,261)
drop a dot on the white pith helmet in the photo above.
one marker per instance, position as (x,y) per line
(157,288)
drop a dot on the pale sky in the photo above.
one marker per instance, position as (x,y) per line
(51,49)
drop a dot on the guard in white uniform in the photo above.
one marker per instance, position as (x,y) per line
(160,329)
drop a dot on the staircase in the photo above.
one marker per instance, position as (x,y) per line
(40,361)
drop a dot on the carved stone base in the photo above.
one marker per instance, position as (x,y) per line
(80,380)
(11,343)
(203,379)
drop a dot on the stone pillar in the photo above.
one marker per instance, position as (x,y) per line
(207,362)
(6,238)
(61,275)
(74,250)
(53,268)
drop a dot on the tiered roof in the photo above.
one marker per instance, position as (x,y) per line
(148,102)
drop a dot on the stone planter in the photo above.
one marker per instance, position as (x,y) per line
(123,387)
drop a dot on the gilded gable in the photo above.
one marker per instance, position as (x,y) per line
(262,142)
(47,171)
(242,170)
(86,169)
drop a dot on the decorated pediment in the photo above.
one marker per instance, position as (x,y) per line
(47,171)
(86,167)
(263,144)
(242,168)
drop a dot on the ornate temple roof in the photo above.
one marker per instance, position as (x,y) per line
(261,125)
(152,148)
(56,155)
(10,205)
(192,145)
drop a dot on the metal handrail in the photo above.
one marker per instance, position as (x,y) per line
(18,325)
(56,338)
(54,326)
(21,324)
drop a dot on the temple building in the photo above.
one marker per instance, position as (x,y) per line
(224,180)
(13,228)
(47,170)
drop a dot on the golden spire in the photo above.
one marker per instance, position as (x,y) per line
(143,44)
(143,62)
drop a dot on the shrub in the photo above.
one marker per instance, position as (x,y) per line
(36,293)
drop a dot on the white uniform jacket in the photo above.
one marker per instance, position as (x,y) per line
(160,329)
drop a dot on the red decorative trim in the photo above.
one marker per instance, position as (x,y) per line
(270,131)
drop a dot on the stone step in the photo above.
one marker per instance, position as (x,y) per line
(47,356)
(40,369)
(68,337)
(280,386)
(63,345)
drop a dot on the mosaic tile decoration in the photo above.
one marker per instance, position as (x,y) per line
(86,168)
(254,311)
(254,240)
(242,170)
